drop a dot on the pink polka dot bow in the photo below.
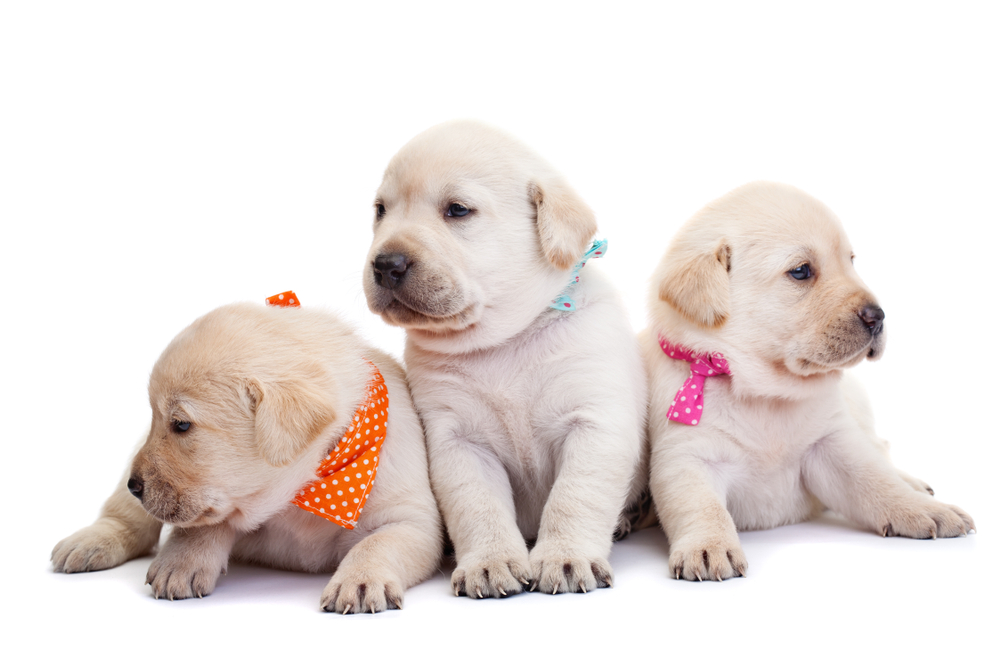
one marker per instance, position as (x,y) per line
(688,403)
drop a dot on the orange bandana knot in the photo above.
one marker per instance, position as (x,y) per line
(347,473)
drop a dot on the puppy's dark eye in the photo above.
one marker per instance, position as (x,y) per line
(379,210)
(457,211)
(801,272)
(179,427)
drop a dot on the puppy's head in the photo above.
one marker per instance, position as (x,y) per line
(765,276)
(237,399)
(474,236)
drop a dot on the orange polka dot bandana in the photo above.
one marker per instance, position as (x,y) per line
(345,476)
(347,473)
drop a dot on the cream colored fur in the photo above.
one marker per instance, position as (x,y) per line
(534,417)
(786,434)
(267,391)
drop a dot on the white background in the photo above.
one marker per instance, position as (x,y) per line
(158,160)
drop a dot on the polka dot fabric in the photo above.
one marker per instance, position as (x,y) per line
(688,403)
(347,473)
(564,302)
(283,300)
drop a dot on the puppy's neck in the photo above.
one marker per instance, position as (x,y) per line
(752,377)
(771,380)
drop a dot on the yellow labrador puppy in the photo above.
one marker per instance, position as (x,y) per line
(259,451)
(756,310)
(522,364)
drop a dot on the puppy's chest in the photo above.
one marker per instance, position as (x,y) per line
(298,541)
(519,408)
(773,434)
(760,464)
(517,411)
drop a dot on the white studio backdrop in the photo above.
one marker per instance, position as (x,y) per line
(161,159)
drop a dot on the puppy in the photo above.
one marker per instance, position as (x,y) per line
(756,310)
(521,361)
(248,402)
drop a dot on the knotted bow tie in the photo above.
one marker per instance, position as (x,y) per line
(688,403)
(345,476)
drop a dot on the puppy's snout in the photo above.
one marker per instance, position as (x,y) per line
(390,269)
(872,316)
(135,486)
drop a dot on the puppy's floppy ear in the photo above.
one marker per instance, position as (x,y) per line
(565,223)
(696,283)
(287,417)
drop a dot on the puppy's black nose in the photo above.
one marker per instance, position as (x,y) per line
(135,487)
(872,316)
(390,270)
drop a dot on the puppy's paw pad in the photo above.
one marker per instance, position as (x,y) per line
(490,578)
(87,550)
(712,560)
(570,574)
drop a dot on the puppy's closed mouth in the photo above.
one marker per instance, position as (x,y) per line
(178,514)
(871,349)
(402,314)
(191,519)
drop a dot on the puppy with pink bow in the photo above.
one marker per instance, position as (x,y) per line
(756,310)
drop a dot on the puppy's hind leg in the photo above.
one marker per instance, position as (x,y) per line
(862,485)
(122,532)
(882,447)
(860,409)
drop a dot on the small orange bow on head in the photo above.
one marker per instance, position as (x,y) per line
(284,300)
(346,475)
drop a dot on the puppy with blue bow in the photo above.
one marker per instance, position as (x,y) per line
(521,359)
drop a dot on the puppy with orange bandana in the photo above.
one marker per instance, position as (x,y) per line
(277,438)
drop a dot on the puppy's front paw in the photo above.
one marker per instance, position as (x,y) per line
(569,574)
(96,547)
(556,570)
(357,591)
(707,557)
(491,577)
(925,518)
(177,575)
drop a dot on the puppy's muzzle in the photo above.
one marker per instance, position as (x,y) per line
(872,316)
(390,270)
